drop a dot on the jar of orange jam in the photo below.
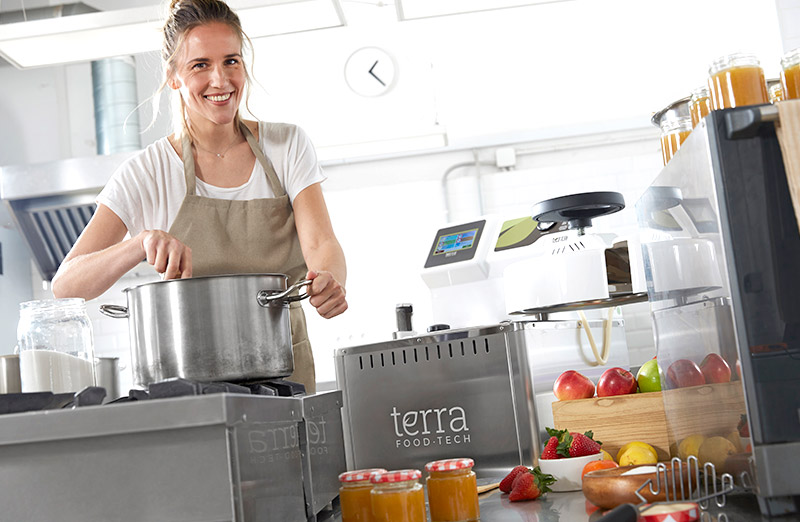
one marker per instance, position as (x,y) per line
(736,80)
(790,75)
(673,133)
(699,105)
(397,496)
(452,491)
(354,494)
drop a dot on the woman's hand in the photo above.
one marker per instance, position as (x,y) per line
(168,255)
(326,294)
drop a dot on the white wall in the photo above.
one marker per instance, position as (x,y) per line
(573,84)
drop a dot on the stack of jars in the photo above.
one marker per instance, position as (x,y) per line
(735,80)
(378,495)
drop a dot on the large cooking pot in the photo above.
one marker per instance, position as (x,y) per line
(232,328)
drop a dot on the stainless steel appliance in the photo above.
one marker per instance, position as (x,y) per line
(722,250)
(203,457)
(459,392)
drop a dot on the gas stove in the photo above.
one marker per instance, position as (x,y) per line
(178,451)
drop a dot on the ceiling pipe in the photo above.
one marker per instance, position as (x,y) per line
(115,102)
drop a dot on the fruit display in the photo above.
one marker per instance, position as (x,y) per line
(572,385)
(715,369)
(565,444)
(598,464)
(616,381)
(637,453)
(716,450)
(524,483)
(684,373)
(649,377)
(690,446)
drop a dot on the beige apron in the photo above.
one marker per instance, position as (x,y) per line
(247,237)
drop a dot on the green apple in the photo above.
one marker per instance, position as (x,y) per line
(649,376)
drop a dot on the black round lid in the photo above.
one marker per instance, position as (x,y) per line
(578,210)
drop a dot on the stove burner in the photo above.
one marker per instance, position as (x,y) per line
(94,395)
(21,402)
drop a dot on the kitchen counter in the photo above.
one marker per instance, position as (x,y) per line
(573,507)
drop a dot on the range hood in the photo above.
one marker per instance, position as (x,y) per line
(51,203)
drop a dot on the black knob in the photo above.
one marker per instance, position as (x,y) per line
(578,210)
(438,327)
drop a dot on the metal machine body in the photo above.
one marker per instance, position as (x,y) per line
(217,457)
(460,392)
(722,250)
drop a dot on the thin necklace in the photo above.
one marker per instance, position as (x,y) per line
(220,155)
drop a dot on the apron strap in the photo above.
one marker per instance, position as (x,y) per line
(188,163)
(272,177)
(189,168)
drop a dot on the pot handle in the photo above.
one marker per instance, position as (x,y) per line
(115,311)
(264,297)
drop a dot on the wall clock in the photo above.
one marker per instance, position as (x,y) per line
(370,71)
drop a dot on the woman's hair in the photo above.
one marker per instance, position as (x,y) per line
(181,17)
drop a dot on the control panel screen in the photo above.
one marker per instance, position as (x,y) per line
(457,241)
(454,244)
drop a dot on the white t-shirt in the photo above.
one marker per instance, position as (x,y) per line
(147,190)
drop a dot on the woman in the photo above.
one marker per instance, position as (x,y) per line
(219,196)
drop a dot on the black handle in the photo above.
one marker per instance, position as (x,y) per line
(621,513)
(746,122)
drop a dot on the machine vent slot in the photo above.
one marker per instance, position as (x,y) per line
(451,351)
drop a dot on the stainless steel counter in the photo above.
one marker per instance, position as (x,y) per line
(573,507)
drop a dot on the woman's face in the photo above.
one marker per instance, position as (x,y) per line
(209,73)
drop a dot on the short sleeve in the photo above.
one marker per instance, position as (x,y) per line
(297,167)
(123,196)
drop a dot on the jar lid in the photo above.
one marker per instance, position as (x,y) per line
(679,124)
(700,92)
(733,60)
(676,109)
(791,58)
(395,476)
(449,464)
(359,475)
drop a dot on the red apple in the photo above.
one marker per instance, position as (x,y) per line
(616,381)
(715,369)
(684,373)
(573,385)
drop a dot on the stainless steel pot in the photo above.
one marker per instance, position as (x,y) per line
(232,328)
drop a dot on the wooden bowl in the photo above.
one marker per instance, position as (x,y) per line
(608,488)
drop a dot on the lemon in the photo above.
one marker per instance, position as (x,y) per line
(640,444)
(637,455)
(690,446)
(606,455)
(716,450)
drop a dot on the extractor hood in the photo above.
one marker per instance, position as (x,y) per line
(51,203)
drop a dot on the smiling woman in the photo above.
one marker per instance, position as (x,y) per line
(221,195)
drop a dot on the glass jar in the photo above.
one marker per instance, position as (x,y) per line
(354,494)
(673,133)
(452,491)
(736,80)
(699,105)
(775,93)
(397,496)
(56,350)
(790,75)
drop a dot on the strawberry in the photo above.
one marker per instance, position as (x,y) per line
(530,485)
(744,428)
(549,451)
(507,483)
(578,445)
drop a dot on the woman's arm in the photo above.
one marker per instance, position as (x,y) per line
(100,256)
(322,252)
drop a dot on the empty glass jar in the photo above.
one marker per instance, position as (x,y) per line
(56,348)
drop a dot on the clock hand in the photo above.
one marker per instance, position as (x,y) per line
(374,75)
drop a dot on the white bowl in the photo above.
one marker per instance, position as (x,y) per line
(567,471)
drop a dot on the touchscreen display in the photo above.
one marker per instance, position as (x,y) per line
(454,242)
